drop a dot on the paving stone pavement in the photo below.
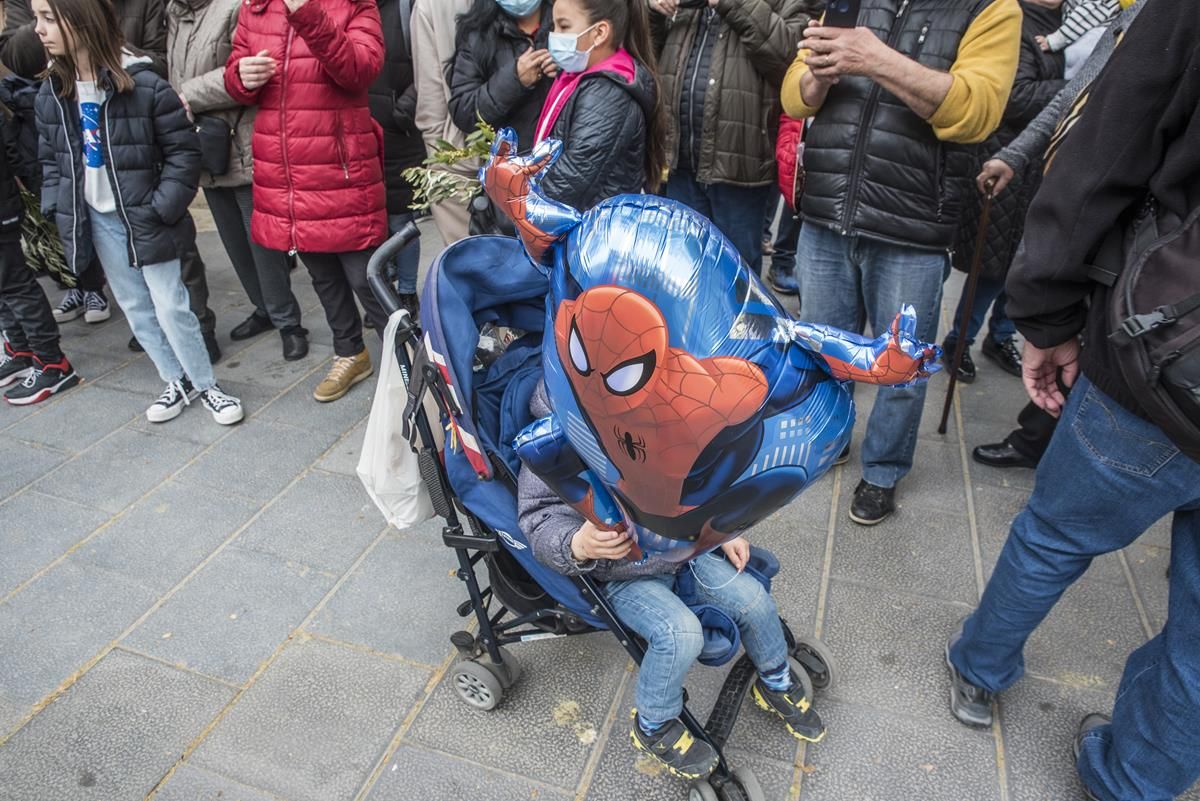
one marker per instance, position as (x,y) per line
(193,613)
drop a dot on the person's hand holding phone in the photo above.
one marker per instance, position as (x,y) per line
(590,542)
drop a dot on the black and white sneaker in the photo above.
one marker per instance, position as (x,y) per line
(95,307)
(15,365)
(72,306)
(45,380)
(225,408)
(172,400)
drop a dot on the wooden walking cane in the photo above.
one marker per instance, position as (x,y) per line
(960,346)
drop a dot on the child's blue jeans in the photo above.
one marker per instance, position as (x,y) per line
(649,606)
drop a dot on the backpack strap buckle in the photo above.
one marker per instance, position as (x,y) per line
(1141,324)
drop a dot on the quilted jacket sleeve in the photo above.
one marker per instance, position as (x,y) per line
(771,36)
(474,93)
(603,146)
(353,57)
(207,92)
(175,136)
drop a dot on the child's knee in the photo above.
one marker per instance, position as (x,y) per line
(682,636)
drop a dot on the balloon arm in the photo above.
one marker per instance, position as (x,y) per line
(512,182)
(896,358)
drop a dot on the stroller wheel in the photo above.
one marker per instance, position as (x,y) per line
(477,685)
(702,791)
(751,789)
(817,660)
(801,674)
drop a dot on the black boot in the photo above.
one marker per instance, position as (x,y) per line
(295,343)
(210,344)
(251,327)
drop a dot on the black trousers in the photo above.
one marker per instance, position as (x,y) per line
(1033,436)
(25,314)
(337,278)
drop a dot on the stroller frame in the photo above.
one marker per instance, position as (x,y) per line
(482,682)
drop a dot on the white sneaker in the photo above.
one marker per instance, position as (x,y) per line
(95,307)
(225,409)
(171,402)
(71,306)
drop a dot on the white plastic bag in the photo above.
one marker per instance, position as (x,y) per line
(387,465)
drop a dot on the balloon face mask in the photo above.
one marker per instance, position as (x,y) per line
(687,404)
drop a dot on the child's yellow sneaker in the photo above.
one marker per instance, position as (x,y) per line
(675,747)
(793,707)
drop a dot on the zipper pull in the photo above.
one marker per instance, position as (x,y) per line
(292,253)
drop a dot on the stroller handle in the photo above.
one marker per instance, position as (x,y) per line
(383,291)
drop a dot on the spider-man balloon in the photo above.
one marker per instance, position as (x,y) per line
(688,405)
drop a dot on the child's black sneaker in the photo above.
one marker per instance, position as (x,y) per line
(225,408)
(15,365)
(172,400)
(45,380)
(70,307)
(676,749)
(792,707)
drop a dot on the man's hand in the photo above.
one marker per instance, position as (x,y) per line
(590,542)
(187,107)
(668,8)
(256,70)
(994,170)
(1043,43)
(1039,371)
(532,65)
(834,52)
(737,551)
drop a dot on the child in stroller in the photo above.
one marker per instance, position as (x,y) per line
(643,594)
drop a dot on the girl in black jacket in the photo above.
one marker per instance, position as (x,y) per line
(603,105)
(121,163)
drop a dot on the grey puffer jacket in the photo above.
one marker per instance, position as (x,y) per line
(756,42)
(153,160)
(199,41)
(549,525)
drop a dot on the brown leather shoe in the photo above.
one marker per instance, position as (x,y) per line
(345,373)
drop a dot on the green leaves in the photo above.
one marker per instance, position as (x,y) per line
(432,183)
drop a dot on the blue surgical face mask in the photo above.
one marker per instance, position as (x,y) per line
(563,49)
(519,8)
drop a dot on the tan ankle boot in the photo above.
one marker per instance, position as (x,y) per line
(345,373)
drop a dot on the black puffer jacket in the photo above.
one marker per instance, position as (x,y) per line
(1039,78)
(603,129)
(19,95)
(12,209)
(393,100)
(153,159)
(484,82)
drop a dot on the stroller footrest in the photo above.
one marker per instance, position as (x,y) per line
(729,701)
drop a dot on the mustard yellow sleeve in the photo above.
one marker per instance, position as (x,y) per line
(983,76)
(793,103)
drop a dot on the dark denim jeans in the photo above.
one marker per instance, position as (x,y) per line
(989,292)
(1106,477)
(736,210)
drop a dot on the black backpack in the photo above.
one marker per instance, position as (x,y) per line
(1154,320)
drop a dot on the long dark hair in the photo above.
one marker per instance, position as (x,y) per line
(631,28)
(92,25)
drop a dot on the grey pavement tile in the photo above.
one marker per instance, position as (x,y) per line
(323,520)
(312,727)
(801,554)
(232,615)
(24,463)
(869,755)
(416,773)
(558,707)
(1160,533)
(112,735)
(935,483)
(297,407)
(400,600)
(80,418)
(139,377)
(116,472)
(994,398)
(59,622)
(931,554)
(196,423)
(1086,638)
(163,536)
(889,648)
(10,713)
(190,783)
(260,461)
(28,543)
(262,363)
(343,458)
(1013,478)
(1039,720)
(1149,566)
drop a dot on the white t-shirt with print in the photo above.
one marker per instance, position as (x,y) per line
(97,189)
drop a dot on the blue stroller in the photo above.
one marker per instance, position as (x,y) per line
(489,283)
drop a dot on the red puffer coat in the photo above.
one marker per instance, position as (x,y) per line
(318,154)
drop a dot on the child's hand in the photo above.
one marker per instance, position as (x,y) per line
(255,71)
(737,551)
(590,542)
(1043,43)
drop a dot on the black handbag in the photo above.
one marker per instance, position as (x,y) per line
(216,137)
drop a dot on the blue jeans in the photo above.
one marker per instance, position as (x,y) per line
(1106,477)
(850,281)
(404,265)
(988,292)
(736,210)
(649,606)
(155,303)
